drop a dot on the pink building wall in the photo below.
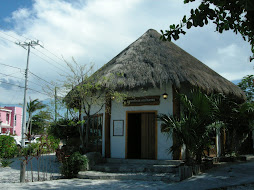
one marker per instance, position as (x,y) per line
(14,127)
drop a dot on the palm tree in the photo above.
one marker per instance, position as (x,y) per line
(192,129)
(32,106)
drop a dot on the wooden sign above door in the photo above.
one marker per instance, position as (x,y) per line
(141,101)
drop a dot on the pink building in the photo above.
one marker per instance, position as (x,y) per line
(11,120)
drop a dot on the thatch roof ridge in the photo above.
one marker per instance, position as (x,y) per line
(149,61)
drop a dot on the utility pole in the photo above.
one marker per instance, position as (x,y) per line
(55,105)
(23,162)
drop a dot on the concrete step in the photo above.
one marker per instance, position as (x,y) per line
(143,161)
(114,168)
(146,176)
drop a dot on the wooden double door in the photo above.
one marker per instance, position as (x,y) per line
(141,135)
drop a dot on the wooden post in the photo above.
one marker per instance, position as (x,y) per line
(107,126)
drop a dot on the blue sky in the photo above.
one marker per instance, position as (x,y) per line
(9,6)
(95,31)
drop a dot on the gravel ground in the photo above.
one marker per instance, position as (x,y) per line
(238,176)
(242,187)
(49,169)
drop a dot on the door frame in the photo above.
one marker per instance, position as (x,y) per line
(126,130)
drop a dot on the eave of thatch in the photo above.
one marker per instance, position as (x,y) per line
(150,61)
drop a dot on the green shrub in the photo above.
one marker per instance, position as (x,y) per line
(6,162)
(30,150)
(72,165)
(8,147)
(48,144)
(64,129)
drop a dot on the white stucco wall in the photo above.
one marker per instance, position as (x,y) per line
(118,112)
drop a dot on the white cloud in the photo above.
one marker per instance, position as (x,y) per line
(97,30)
(231,61)
(20,14)
(231,51)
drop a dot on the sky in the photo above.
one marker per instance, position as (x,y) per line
(95,31)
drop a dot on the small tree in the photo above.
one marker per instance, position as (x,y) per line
(85,95)
(193,128)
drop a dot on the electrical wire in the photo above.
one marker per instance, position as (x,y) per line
(11,84)
(11,66)
(40,78)
(50,58)
(23,87)
(37,91)
(10,75)
(6,39)
(54,55)
(9,35)
(37,56)
(49,63)
(21,79)
(38,51)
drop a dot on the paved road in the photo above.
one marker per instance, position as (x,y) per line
(230,175)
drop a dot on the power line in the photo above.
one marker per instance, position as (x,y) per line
(6,39)
(38,51)
(34,48)
(11,66)
(10,75)
(51,59)
(21,78)
(49,63)
(40,78)
(9,35)
(55,55)
(22,87)
(11,84)
(37,91)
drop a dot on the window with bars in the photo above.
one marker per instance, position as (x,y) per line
(7,118)
(95,133)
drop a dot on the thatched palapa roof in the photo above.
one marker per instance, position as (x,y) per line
(150,61)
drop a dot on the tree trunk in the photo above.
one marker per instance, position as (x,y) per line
(23,171)
(28,123)
(31,126)
(188,156)
(81,135)
(199,156)
(87,132)
(81,131)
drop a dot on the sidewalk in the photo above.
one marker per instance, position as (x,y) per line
(224,176)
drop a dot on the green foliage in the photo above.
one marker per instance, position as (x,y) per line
(40,121)
(44,145)
(8,147)
(64,128)
(237,16)
(247,85)
(72,164)
(32,106)
(238,119)
(194,126)
(48,143)
(32,149)
(6,162)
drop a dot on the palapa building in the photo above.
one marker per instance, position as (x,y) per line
(149,71)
